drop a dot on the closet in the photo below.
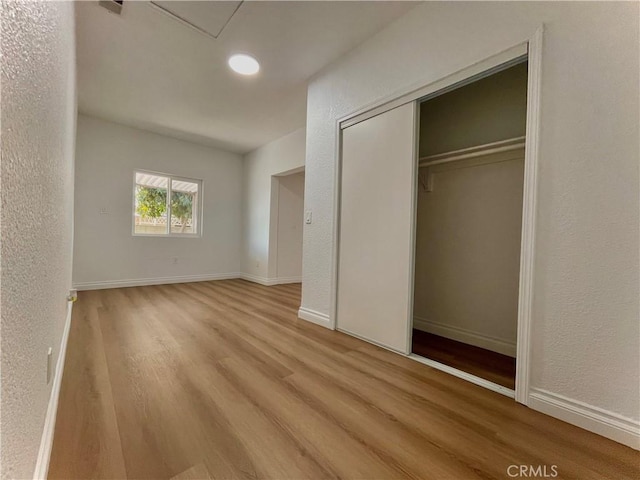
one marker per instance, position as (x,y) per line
(468,226)
(430,222)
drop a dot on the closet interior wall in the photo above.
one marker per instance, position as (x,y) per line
(469,211)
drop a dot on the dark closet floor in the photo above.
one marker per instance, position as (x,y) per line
(492,366)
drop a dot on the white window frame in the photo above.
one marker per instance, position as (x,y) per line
(196,218)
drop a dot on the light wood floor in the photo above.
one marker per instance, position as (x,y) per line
(221,380)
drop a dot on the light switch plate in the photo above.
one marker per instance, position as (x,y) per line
(49,364)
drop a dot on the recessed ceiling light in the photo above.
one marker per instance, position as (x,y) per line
(244,64)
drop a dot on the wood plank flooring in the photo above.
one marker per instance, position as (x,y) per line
(221,380)
(492,366)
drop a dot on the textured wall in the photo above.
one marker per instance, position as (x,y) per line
(105,250)
(586,330)
(38,123)
(284,154)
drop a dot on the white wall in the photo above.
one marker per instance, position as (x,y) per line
(467,260)
(488,110)
(38,128)
(280,156)
(105,251)
(586,334)
(289,225)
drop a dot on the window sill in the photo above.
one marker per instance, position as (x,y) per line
(170,235)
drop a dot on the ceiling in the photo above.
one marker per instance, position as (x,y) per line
(146,69)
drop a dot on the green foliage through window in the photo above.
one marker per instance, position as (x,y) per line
(182,207)
(151,202)
(158,214)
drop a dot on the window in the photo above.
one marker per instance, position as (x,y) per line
(166,205)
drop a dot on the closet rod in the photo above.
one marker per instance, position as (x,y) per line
(471,152)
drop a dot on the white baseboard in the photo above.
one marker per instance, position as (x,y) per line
(269,281)
(466,336)
(312,316)
(139,282)
(46,442)
(285,280)
(257,279)
(597,420)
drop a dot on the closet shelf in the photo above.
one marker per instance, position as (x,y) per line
(471,152)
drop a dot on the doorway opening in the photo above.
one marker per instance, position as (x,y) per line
(468,226)
(287,211)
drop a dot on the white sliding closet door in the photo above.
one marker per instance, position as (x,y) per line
(376,228)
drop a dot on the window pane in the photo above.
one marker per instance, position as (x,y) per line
(151,204)
(184,202)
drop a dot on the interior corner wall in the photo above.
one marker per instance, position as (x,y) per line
(38,129)
(467,255)
(105,251)
(282,155)
(485,111)
(585,332)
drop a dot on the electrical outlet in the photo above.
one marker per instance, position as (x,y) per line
(49,364)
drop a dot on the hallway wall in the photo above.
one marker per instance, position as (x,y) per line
(38,144)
